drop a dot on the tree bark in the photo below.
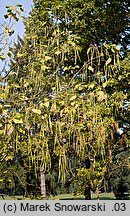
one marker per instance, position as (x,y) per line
(87,193)
(43,185)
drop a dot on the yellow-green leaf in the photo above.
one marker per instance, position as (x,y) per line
(46,104)
(47,58)
(101,96)
(20,55)
(37,111)
(73,98)
(57,52)
(108,61)
(88,50)
(44,67)
(7,105)
(91,86)
(90,68)
(10,130)
(13,7)
(18,121)
(65,68)
(2,57)
(104,84)
(2,131)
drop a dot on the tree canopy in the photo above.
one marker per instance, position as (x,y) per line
(67,95)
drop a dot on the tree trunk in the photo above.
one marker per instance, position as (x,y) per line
(43,186)
(87,193)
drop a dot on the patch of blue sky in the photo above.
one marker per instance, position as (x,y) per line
(18,26)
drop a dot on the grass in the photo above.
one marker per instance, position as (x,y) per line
(102,196)
(6,197)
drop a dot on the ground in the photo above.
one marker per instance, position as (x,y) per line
(102,196)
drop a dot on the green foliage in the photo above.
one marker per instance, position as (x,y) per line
(13,11)
(12,15)
(95,22)
(12,178)
(64,97)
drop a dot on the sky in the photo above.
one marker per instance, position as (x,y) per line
(19,26)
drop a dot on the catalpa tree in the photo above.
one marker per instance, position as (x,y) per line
(64,96)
